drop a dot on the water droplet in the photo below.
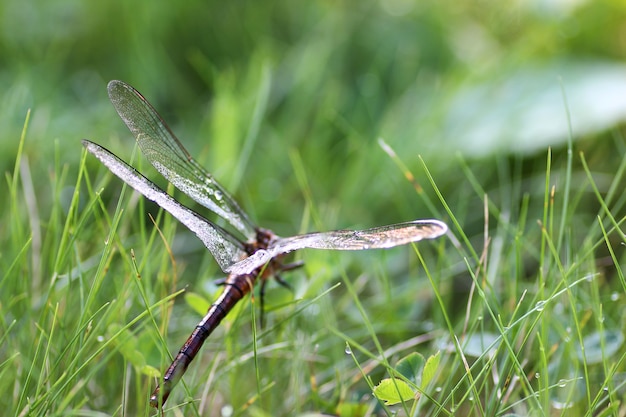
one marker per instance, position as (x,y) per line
(479,318)
(348,350)
(227,410)
(438,389)
(562,383)
(540,305)
(218,195)
(100,339)
(615,296)
(537,375)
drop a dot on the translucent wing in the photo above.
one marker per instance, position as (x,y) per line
(171,159)
(226,249)
(376,238)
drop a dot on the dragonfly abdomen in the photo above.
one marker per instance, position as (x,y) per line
(235,287)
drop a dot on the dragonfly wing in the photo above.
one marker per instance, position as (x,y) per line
(171,159)
(224,247)
(249,264)
(375,238)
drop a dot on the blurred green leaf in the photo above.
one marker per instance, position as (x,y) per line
(410,367)
(393,391)
(430,369)
(347,409)
(532,107)
(127,345)
(150,371)
(600,345)
(198,303)
(476,344)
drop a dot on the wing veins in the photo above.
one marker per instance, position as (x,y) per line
(165,152)
(382,237)
(225,248)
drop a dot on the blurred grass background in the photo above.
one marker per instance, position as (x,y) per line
(285,102)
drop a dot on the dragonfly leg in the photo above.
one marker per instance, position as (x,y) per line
(262,297)
(291,266)
(282,282)
(287,267)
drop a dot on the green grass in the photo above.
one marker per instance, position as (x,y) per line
(526,317)
(522,302)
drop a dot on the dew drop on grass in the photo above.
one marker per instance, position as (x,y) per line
(615,296)
(348,350)
(540,305)
(227,410)
(562,383)
(537,375)
(100,339)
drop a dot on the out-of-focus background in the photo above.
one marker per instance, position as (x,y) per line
(436,79)
(285,103)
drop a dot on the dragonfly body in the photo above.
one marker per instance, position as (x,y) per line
(235,288)
(258,255)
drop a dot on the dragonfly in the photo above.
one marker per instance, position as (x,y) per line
(246,254)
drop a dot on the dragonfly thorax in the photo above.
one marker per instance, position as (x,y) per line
(264,237)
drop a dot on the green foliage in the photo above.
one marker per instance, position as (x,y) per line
(413,369)
(393,391)
(505,121)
